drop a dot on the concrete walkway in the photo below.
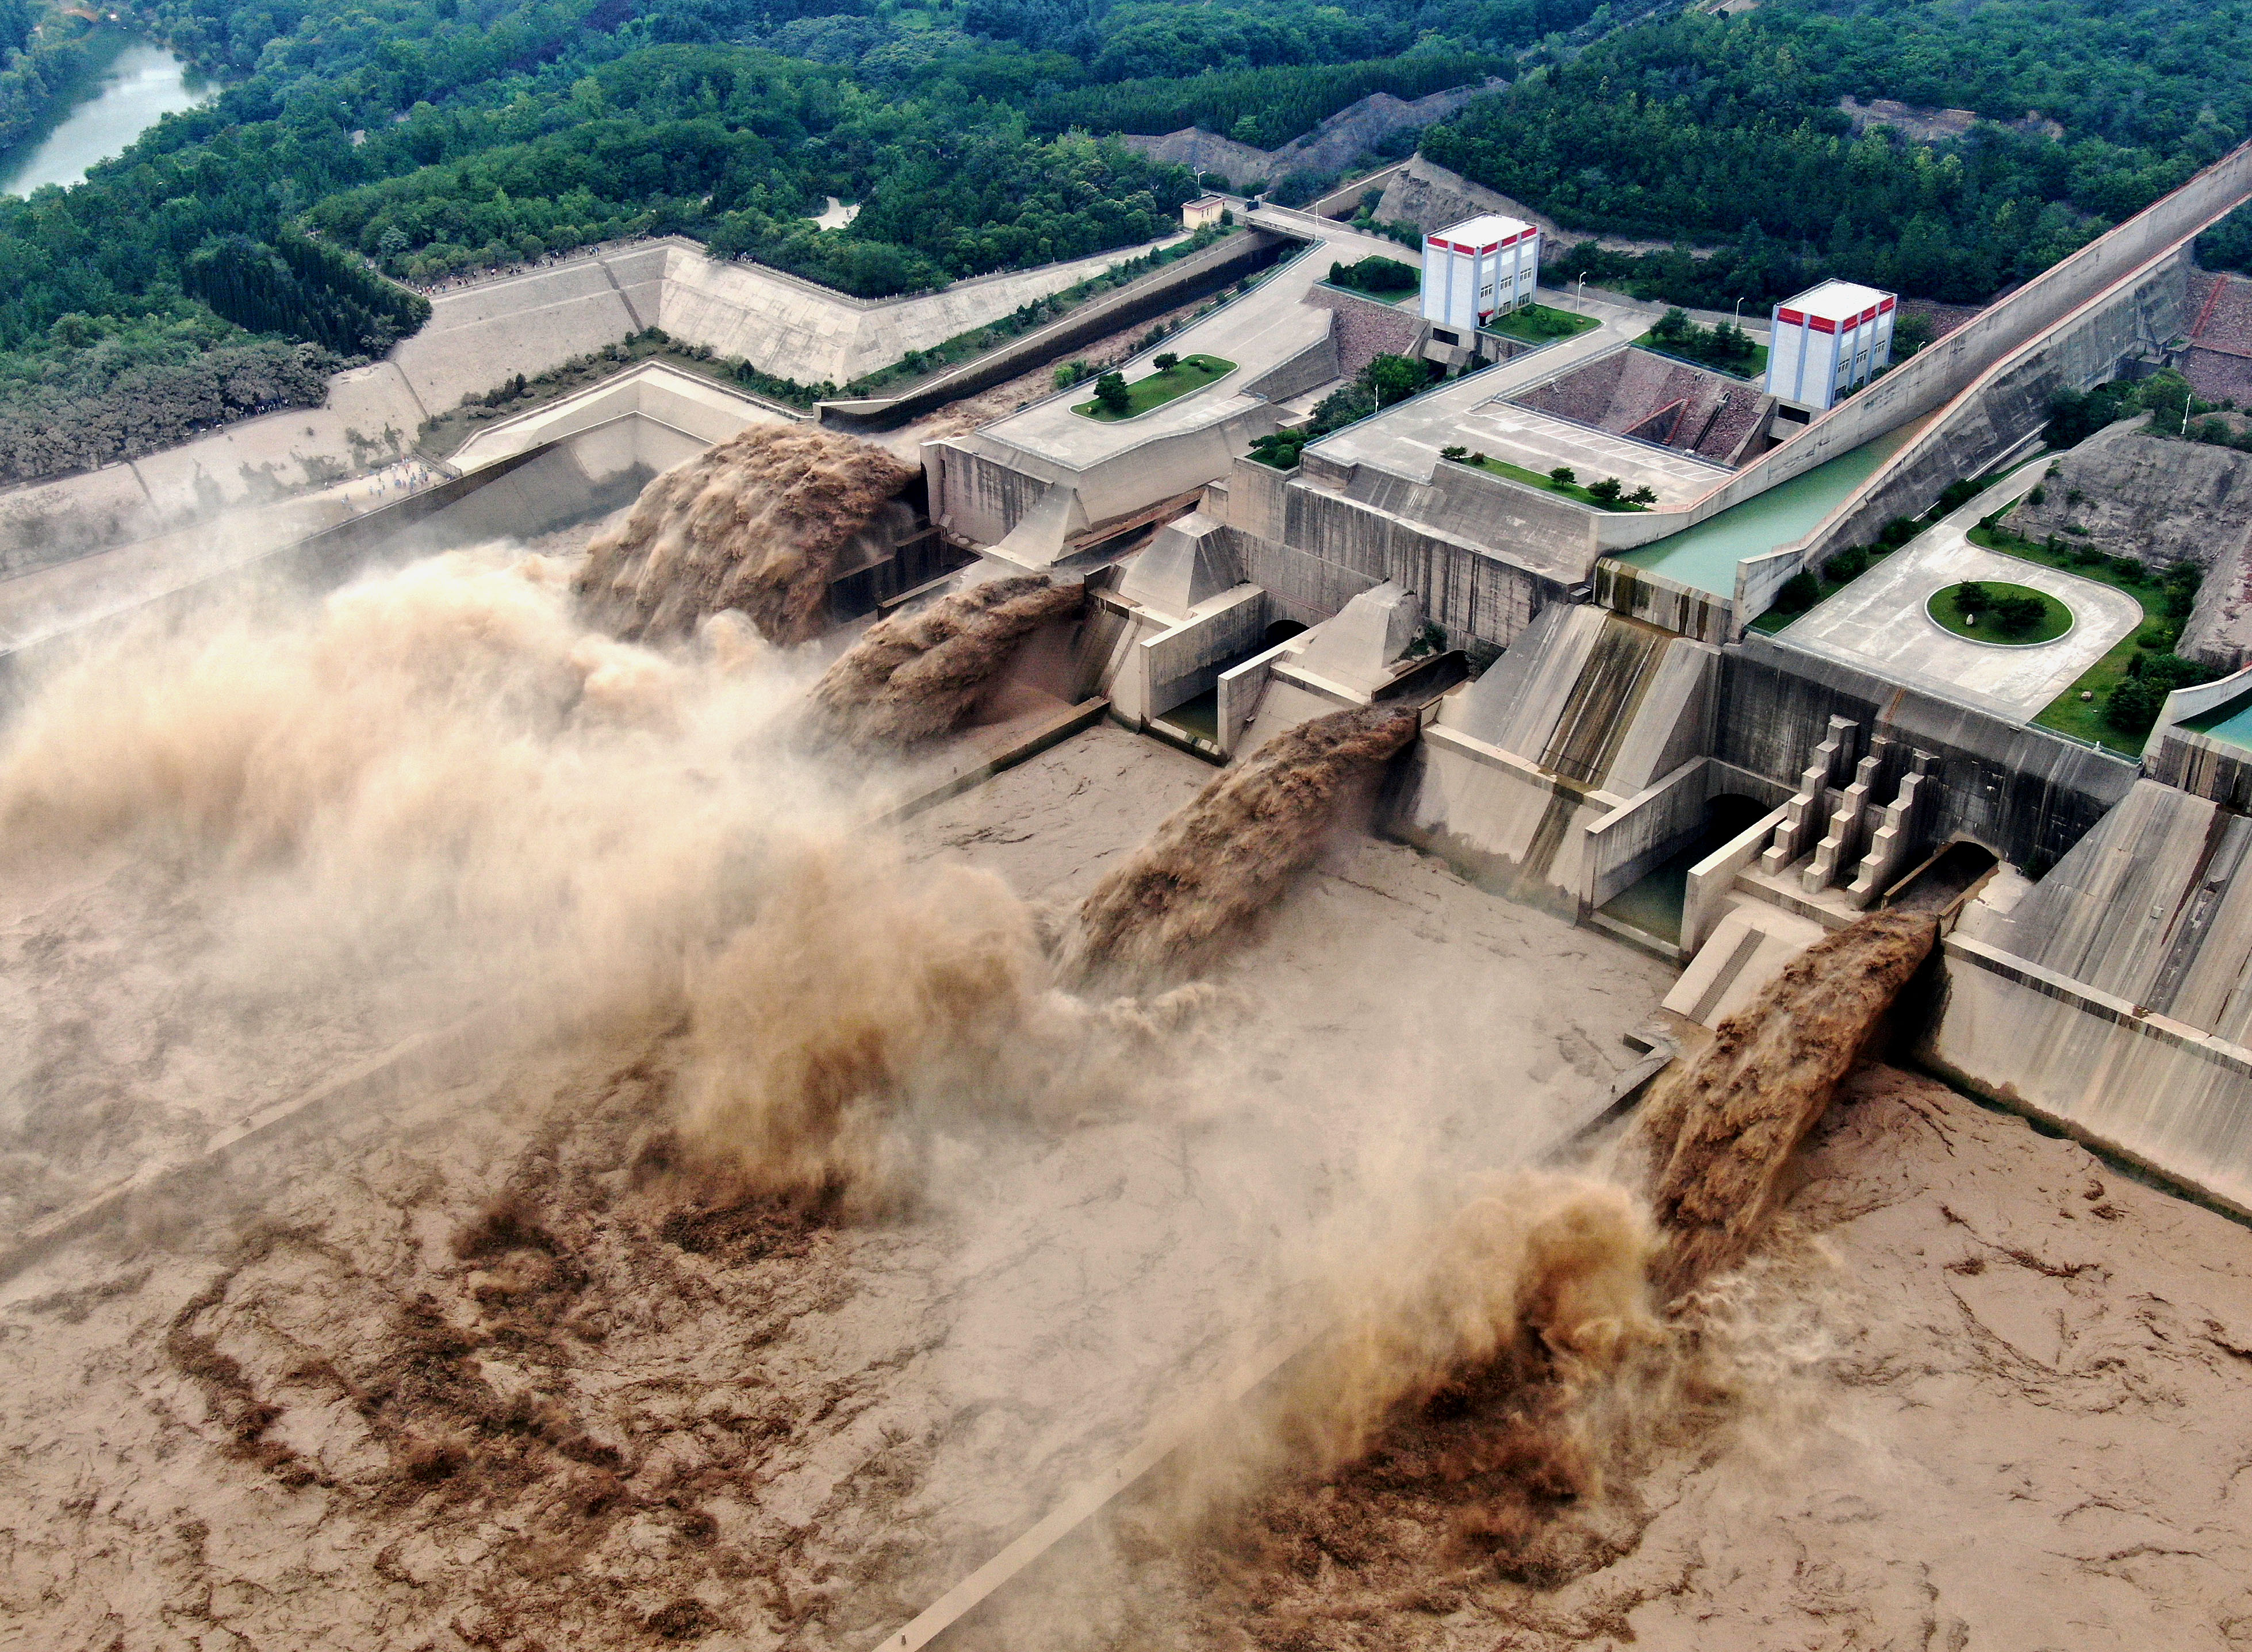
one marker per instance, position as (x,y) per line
(1879,622)
(1258,332)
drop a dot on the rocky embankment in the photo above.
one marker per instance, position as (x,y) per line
(2129,493)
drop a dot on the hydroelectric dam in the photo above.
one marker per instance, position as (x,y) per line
(746,1021)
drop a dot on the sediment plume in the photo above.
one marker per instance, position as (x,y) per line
(1538,1275)
(754,525)
(914,677)
(1503,1381)
(438,782)
(1719,1132)
(1225,857)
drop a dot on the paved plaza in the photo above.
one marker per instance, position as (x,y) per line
(1879,622)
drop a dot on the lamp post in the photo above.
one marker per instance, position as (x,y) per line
(1740,315)
(1579,295)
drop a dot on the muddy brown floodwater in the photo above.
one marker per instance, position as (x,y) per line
(499,1365)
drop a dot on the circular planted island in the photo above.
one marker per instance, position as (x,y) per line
(2005,615)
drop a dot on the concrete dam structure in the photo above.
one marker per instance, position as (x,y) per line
(946,1043)
(1629,753)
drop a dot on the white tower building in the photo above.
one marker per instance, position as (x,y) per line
(1827,341)
(1478,268)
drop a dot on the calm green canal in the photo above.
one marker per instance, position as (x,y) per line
(1704,557)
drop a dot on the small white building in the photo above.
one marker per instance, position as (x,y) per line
(1205,209)
(1827,342)
(1478,268)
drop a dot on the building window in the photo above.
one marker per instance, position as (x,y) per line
(1440,334)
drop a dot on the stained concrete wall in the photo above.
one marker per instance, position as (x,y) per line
(1179,663)
(2113,996)
(1643,833)
(1316,548)
(2139,1085)
(1574,765)
(1497,817)
(976,498)
(2027,794)
(1658,601)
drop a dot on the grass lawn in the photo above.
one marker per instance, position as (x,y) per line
(1191,372)
(1535,479)
(1752,371)
(1539,324)
(1947,606)
(2068,713)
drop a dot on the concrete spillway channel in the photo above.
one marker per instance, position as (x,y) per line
(950,1620)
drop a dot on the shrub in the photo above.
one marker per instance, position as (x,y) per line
(1166,361)
(1644,495)
(1609,491)
(1394,378)
(1850,564)
(1800,592)
(1456,454)
(1110,391)
(2018,614)
(2134,706)
(2180,581)
(1563,475)
(1956,494)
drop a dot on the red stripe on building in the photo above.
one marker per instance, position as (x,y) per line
(1821,324)
(1887,304)
(1790,316)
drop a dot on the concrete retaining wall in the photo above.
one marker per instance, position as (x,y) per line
(1178,664)
(2008,403)
(1331,548)
(2027,794)
(2141,1085)
(1946,369)
(1496,818)
(1164,289)
(976,498)
(1658,601)
(1316,365)
(1645,831)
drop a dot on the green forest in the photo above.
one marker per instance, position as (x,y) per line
(1730,132)
(420,139)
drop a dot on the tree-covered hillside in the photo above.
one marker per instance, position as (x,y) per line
(1731,129)
(428,137)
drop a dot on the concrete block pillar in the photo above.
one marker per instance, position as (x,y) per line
(1807,814)
(1842,841)
(1900,828)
